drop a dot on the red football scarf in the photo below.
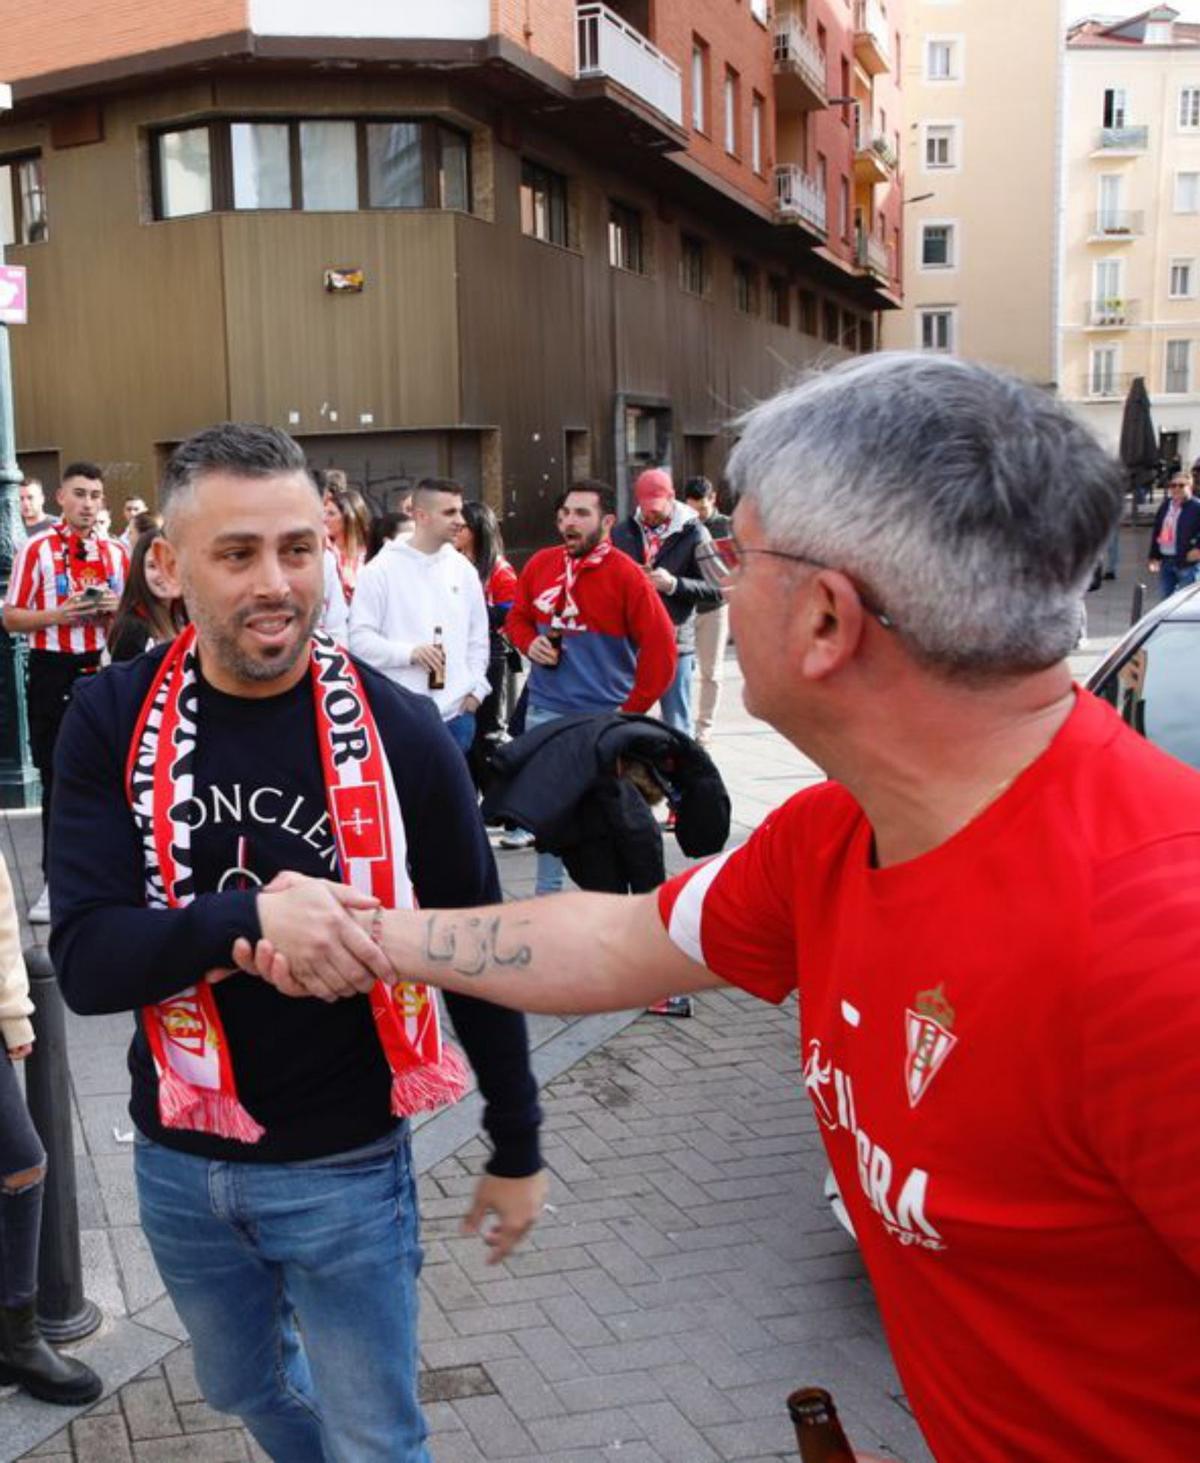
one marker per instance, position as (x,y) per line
(197,1089)
(558,601)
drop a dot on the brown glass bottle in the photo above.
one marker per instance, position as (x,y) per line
(437,678)
(818,1431)
(555,636)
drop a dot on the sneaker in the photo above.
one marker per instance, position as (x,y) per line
(671,1006)
(516,838)
(39,913)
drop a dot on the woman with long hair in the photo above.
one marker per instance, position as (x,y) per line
(347,528)
(147,614)
(480,541)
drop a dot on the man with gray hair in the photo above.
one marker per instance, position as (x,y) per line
(989,910)
(273,1166)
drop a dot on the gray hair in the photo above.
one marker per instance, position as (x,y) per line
(969,504)
(242,448)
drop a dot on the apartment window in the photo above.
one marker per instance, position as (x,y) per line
(745,287)
(543,203)
(1116,108)
(329,166)
(845,92)
(937,246)
(940,146)
(625,249)
(1179,366)
(1183,279)
(936,329)
(830,323)
(262,164)
(807,313)
(1189,108)
(699,85)
(732,89)
(844,208)
(1102,372)
(1187,192)
(693,265)
(321,166)
(23,201)
(756,133)
(941,60)
(777,300)
(185,185)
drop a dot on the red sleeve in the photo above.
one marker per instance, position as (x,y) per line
(734,914)
(22,585)
(651,630)
(521,624)
(502,585)
(1140,1026)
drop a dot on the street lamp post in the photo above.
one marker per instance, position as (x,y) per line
(19,786)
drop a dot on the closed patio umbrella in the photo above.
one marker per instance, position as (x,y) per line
(1138,448)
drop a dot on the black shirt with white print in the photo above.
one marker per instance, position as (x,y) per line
(312,1073)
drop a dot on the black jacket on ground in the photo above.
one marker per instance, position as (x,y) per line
(560,781)
(677,555)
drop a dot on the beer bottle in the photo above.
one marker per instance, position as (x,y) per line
(437,678)
(555,636)
(818,1431)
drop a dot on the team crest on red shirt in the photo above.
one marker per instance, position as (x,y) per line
(930,1040)
(359,812)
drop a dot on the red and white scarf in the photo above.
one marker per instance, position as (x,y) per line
(197,1087)
(558,600)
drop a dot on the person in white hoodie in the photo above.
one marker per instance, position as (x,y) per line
(417,592)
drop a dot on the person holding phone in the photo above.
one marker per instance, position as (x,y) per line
(65,587)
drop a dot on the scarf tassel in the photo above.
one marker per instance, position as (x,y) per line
(180,1105)
(431,1085)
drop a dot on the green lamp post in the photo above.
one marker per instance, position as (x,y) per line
(19,784)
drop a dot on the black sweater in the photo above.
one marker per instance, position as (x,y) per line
(312,1073)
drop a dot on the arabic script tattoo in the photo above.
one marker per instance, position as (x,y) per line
(472,945)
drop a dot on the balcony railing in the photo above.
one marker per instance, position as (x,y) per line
(1116,224)
(799,198)
(1111,314)
(1106,385)
(872,45)
(605,45)
(1123,139)
(873,254)
(796,53)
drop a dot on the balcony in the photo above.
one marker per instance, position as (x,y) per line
(606,47)
(872,45)
(800,199)
(1122,141)
(800,68)
(1114,225)
(1102,385)
(874,160)
(1110,314)
(873,255)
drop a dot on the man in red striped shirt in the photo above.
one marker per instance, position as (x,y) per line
(65,585)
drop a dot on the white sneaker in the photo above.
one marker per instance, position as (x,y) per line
(39,913)
(516,838)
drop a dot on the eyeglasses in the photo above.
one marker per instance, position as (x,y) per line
(722,562)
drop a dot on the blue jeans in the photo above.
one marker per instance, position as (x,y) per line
(550,871)
(254,1254)
(1173,575)
(676,701)
(462,729)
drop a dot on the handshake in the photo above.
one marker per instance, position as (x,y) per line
(317,940)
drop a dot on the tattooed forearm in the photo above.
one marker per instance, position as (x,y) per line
(471,945)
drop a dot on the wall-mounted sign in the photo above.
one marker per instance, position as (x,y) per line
(12,294)
(345,281)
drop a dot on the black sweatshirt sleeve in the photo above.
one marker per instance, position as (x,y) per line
(111,953)
(691,588)
(453,868)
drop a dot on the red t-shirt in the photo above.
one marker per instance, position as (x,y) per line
(1001,1041)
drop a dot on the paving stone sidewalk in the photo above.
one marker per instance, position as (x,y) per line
(688,1274)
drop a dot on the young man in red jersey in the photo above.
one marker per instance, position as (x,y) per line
(990,911)
(64,589)
(593,625)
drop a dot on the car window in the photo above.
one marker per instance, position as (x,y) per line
(1157,690)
